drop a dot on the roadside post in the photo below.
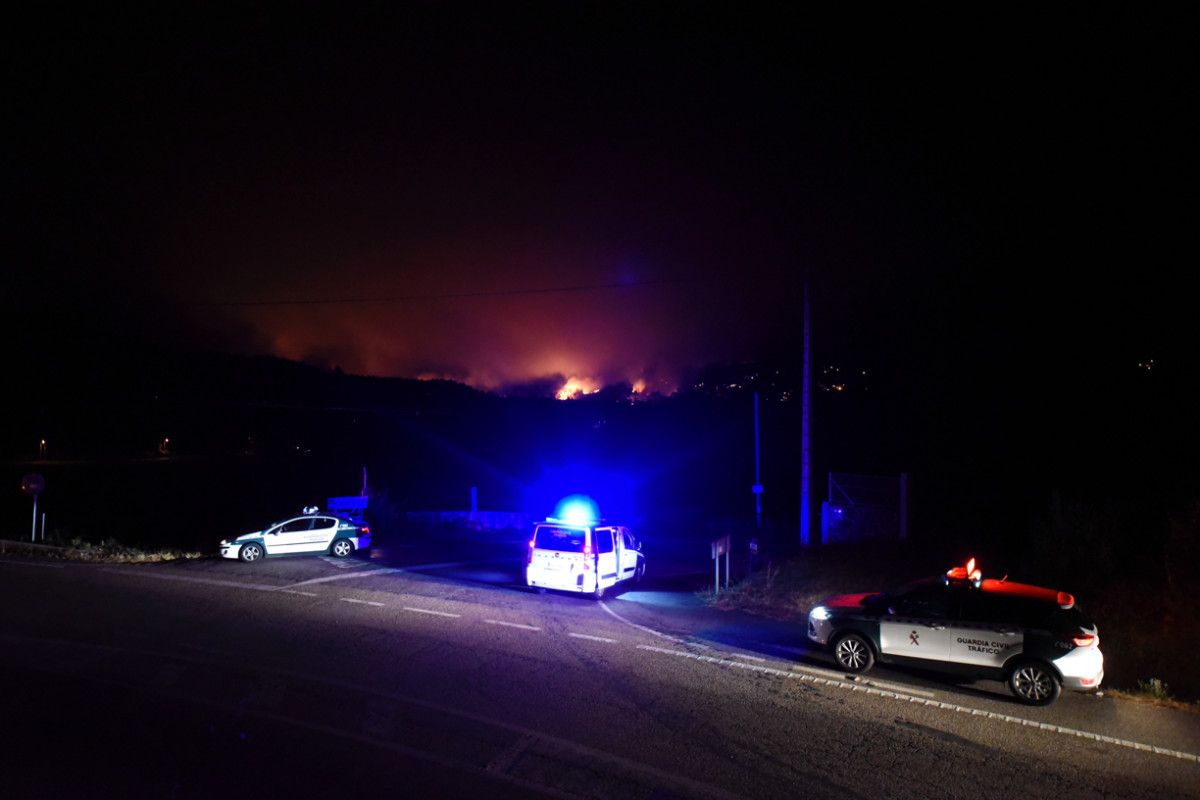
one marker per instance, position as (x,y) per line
(720,547)
(33,484)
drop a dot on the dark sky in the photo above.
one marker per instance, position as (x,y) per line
(958,190)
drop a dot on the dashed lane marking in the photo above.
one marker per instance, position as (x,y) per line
(431,611)
(591,638)
(906,697)
(360,602)
(296,591)
(748,658)
(511,624)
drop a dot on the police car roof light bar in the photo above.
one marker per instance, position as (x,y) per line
(967,573)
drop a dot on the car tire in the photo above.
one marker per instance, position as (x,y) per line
(639,572)
(598,592)
(853,653)
(1034,683)
(250,553)
(341,548)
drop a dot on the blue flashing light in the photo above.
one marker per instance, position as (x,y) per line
(577,509)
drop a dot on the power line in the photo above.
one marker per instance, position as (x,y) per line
(314,301)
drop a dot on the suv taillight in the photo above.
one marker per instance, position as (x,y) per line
(529,553)
(1085,640)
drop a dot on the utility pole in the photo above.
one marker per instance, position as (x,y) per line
(805,421)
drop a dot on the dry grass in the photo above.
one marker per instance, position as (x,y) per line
(109,551)
(789,589)
(1150,698)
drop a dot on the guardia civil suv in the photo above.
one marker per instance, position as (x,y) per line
(1035,639)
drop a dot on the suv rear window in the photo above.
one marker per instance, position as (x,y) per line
(568,540)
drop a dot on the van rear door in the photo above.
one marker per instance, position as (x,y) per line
(606,556)
(559,550)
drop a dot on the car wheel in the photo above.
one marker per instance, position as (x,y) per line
(853,653)
(598,593)
(341,548)
(641,570)
(250,552)
(1034,683)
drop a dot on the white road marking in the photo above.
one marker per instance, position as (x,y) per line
(362,573)
(31,563)
(294,591)
(591,638)
(897,687)
(748,658)
(642,628)
(446,565)
(906,697)
(360,602)
(142,572)
(431,611)
(511,624)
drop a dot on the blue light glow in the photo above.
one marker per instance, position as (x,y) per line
(577,509)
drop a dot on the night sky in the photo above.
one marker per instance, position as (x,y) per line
(509,194)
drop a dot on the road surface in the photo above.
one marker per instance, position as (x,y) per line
(314,677)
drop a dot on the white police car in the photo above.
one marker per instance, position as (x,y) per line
(1035,639)
(310,533)
(584,557)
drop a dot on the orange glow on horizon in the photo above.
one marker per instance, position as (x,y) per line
(575,387)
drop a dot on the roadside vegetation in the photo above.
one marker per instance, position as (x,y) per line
(108,551)
(1148,613)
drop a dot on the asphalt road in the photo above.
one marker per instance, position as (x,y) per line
(311,677)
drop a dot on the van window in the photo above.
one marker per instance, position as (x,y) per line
(604,540)
(567,540)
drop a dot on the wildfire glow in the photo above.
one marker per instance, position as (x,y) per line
(639,386)
(575,387)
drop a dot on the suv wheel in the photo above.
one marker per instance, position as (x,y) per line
(853,653)
(1034,683)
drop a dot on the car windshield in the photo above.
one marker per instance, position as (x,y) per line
(570,540)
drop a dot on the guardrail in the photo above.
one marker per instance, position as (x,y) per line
(13,544)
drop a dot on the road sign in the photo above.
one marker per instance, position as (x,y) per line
(720,547)
(33,484)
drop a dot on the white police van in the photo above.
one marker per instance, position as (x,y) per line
(309,534)
(1035,639)
(582,557)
